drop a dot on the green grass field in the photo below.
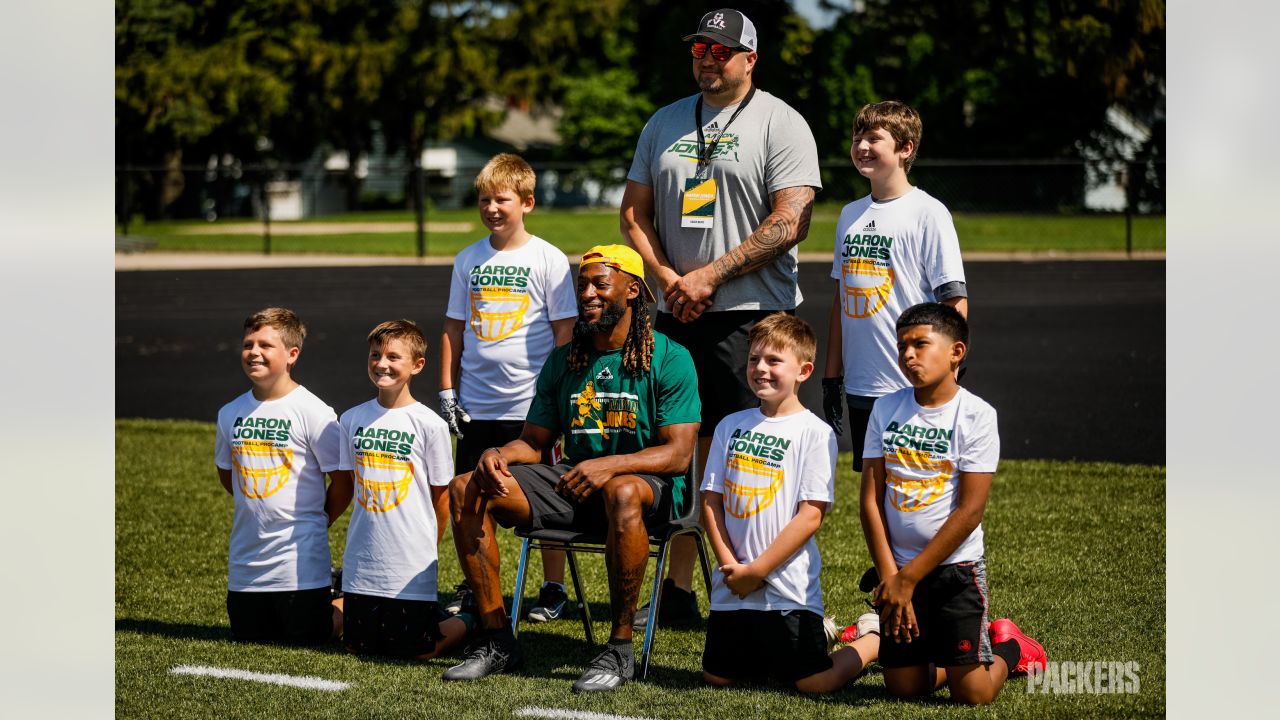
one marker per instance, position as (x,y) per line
(575,231)
(1076,555)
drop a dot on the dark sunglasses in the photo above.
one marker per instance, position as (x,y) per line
(720,52)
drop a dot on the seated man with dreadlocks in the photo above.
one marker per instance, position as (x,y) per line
(626,400)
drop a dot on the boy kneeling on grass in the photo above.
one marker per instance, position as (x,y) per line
(930,453)
(399,450)
(769,480)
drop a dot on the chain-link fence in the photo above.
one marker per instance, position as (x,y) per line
(225,189)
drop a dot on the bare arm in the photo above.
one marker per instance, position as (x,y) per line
(874,526)
(636,224)
(713,523)
(493,468)
(961,304)
(971,503)
(440,502)
(782,230)
(338,496)
(451,354)
(562,330)
(670,455)
(835,339)
(224,477)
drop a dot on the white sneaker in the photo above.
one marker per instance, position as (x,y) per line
(867,623)
(832,631)
(838,637)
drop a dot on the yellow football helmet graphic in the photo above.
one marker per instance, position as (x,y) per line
(260,468)
(749,485)
(909,494)
(866,287)
(497,312)
(382,482)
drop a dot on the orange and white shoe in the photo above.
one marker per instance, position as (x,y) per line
(1032,656)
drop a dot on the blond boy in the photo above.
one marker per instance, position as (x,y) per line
(274,446)
(769,481)
(398,450)
(511,300)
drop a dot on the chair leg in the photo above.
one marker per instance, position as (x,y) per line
(582,599)
(651,628)
(518,593)
(706,566)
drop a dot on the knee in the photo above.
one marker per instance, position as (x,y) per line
(715,680)
(458,489)
(972,696)
(903,686)
(624,498)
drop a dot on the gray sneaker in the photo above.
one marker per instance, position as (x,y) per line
(552,600)
(493,651)
(610,669)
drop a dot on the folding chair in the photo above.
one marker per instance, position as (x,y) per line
(660,535)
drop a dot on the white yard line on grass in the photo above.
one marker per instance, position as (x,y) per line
(558,714)
(301,681)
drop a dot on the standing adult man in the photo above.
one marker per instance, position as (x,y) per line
(718,196)
(624,398)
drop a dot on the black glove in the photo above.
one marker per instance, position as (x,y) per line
(833,403)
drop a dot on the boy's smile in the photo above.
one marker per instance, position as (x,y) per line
(773,373)
(264,356)
(927,357)
(391,364)
(876,155)
(502,210)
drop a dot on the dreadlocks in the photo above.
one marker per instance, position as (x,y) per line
(637,351)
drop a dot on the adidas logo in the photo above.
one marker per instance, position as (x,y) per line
(604,375)
(871,227)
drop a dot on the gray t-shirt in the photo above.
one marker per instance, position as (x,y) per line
(768,147)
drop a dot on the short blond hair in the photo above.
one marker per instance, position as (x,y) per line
(781,331)
(404,330)
(507,171)
(898,119)
(291,329)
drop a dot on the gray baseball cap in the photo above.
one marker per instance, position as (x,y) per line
(727,27)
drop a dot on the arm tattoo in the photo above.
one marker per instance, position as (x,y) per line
(785,227)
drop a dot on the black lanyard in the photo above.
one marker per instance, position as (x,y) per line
(706,151)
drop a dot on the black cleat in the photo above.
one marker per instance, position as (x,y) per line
(612,668)
(493,651)
(678,608)
(463,599)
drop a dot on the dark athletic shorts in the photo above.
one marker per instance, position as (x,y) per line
(550,510)
(951,608)
(480,435)
(718,343)
(859,416)
(765,644)
(292,617)
(374,625)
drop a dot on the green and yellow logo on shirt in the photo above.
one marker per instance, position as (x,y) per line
(499,300)
(603,413)
(753,472)
(868,273)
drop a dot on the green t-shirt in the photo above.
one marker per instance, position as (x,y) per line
(603,410)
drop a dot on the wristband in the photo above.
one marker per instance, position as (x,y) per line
(448,394)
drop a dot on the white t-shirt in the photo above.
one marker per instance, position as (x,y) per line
(395,455)
(278,452)
(888,257)
(924,451)
(765,467)
(507,300)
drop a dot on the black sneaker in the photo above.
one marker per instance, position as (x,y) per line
(552,600)
(492,651)
(613,667)
(679,608)
(462,598)
(335,582)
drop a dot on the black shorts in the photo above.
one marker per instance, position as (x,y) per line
(374,625)
(291,617)
(951,608)
(859,416)
(480,435)
(765,645)
(551,510)
(718,343)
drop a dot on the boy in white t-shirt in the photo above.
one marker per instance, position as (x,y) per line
(398,450)
(931,452)
(511,300)
(274,446)
(769,480)
(894,248)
